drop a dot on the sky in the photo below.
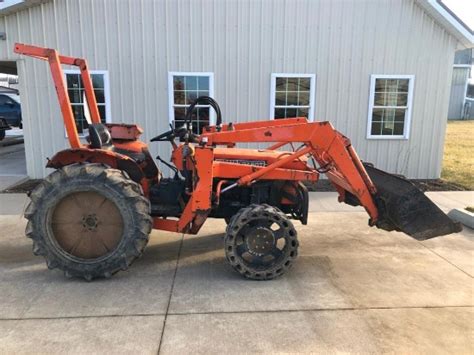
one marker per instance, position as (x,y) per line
(464,9)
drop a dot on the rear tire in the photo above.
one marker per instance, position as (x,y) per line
(88,220)
(261,242)
(2,134)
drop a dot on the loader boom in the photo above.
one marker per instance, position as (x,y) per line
(393,203)
(332,151)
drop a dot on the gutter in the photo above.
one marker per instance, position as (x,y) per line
(446,18)
(8,7)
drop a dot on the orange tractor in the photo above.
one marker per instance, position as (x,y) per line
(93,215)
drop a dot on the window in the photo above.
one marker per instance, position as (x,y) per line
(470,91)
(187,87)
(390,105)
(75,88)
(292,95)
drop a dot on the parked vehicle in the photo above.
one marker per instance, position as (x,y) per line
(10,109)
(4,126)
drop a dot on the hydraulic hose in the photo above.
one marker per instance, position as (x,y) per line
(204,100)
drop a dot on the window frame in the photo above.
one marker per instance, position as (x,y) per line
(312,92)
(171,104)
(408,111)
(108,110)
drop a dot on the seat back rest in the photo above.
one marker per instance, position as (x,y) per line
(99,136)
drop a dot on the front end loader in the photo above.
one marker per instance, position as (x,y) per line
(93,215)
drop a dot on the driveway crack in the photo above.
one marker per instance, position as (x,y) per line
(171,293)
(448,261)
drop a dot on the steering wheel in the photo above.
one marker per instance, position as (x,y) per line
(170,135)
(184,132)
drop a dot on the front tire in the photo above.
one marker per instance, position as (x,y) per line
(261,242)
(88,220)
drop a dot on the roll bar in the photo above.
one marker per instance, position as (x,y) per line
(55,61)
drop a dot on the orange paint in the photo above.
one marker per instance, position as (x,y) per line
(206,161)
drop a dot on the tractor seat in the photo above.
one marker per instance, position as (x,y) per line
(99,136)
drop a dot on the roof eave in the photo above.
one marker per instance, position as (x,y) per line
(19,5)
(450,22)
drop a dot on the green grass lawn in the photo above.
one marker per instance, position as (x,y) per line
(458,160)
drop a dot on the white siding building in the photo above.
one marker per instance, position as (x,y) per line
(461,101)
(379,71)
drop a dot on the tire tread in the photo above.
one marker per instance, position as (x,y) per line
(137,235)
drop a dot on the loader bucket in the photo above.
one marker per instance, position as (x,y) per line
(403,207)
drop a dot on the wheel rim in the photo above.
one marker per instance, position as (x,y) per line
(261,243)
(87,225)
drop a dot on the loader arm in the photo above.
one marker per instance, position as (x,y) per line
(330,149)
(393,203)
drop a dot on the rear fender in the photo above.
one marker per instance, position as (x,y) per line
(107,157)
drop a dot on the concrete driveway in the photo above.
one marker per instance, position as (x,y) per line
(353,289)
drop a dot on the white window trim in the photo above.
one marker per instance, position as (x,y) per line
(408,112)
(312,91)
(108,111)
(171,74)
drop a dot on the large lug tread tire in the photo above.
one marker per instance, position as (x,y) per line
(116,185)
(239,221)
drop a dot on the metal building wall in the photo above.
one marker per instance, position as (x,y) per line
(458,93)
(242,42)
